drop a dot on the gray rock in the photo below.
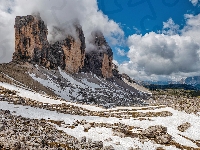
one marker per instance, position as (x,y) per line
(2,127)
(109,148)
(183,127)
(163,139)
(154,131)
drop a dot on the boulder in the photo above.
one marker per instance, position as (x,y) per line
(83,139)
(154,131)
(183,127)
(86,127)
(163,139)
(157,133)
(109,147)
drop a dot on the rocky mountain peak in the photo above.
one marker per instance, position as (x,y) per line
(30,38)
(68,52)
(99,59)
(31,45)
(100,42)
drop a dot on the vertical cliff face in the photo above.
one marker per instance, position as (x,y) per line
(74,51)
(31,45)
(106,68)
(70,52)
(99,60)
(30,39)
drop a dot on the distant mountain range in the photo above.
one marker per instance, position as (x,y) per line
(190,83)
(171,86)
(192,80)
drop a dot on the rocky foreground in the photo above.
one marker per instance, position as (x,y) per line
(178,99)
(33,124)
(18,132)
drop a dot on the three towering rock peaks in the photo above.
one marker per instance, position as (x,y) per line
(31,45)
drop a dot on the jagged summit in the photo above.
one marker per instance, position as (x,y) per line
(100,42)
(99,60)
(31,45)
(30,38)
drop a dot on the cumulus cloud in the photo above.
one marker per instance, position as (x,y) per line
(60,13)
(6,31)
(172,53)
(163,54)
(192,28)
(170,27)
(194,2)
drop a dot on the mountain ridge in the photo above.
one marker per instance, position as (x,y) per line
(64,69)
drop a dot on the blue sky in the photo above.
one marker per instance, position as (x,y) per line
(150,39)
(144,16)
(140,17)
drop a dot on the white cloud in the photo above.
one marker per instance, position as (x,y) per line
(60,13)
(170,27)
(121,52)
(194,2)
(192,28)
(167,54)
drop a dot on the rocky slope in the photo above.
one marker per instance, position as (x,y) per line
(89,88)
(82,87)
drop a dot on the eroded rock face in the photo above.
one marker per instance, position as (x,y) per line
(30,38)
(74,51)
(115,71)
(99,59)
(31,45)
(69,53)
(106,68)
